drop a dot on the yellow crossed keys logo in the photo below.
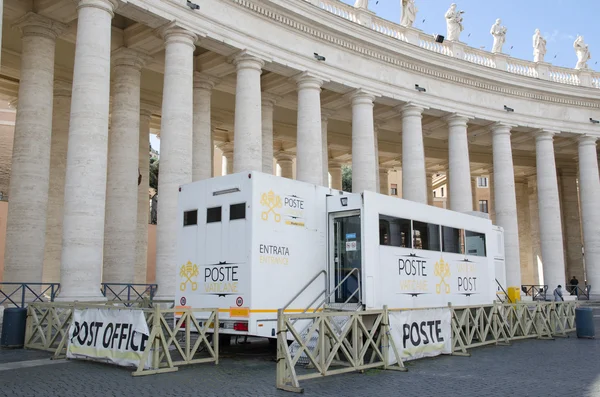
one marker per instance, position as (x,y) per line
(188,271)
(271,201)
(442,270)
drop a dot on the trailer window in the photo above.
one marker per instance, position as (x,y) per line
(394,231)
(237,211)
(213,215)
(426,236)
(190,218)
(451,240)
(475,243)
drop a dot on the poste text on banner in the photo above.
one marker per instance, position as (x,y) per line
(420,333)
(117,336)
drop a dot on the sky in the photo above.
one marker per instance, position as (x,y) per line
(559,21)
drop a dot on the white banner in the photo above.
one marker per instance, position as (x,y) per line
(117,336)
(420,333)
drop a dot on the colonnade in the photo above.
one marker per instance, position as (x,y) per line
(102,218)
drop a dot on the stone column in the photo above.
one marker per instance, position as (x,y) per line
(325,115)
(414,186)
(572,224)
(85,183)
(491,203)
(377,166)
(247,148)
(309,152)
(228,161)
(285,161)
(429,182)
(56,191)
(534,228)
(460,192)
(202,156)
(364,175)
(123,165)
(176,150)
(506,202)
(141,250)
(474,194)
(589,193)
(523,218)
(268,103)
(336,175)
(384,181)
(28,190)
(549,207)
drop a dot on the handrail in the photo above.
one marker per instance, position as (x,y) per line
(358,289)
(312,280)
(579,291)
(503,290)
(131,290)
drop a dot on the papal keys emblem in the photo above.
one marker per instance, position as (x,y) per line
(186,272)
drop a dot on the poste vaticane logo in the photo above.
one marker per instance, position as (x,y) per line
(186,273)
(442,270)
(271,202)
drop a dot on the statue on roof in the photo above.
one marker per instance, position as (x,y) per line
(583,53)
(453,23)
(363,4)
(499,33)
(409,13)
(539,47)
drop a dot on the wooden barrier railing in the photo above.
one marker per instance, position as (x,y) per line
(172,342)
(345,339)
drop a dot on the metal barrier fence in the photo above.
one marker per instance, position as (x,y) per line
(172,342)
(125,292)
(355,341)
(582,293)
(334,343)
(537,292)
(19,294)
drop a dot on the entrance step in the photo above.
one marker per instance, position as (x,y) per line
(343,307)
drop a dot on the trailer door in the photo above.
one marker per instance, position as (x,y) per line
(345,256)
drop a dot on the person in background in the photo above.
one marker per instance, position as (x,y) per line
(558,294)
(573,285)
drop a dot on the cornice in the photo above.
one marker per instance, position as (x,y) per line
(377,53)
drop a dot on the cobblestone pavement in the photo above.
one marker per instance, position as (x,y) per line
(560,367)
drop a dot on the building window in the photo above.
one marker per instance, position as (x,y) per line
(426,236)
(190,218)
(394,231)
(452,240)
(213,215)
(475,243)
(394,190)
(482,181)
(237,211)
(435,193)
(483,206)
(442,191)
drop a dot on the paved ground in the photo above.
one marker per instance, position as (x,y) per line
(562,367)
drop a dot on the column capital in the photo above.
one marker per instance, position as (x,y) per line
(361,96)
(543,135)
(145,113)
(105,5)
(335,164)
(14,103)
(411,109)
(205,81)
(282,156)
(306,80)
(172,33)
(62,88)
(32,24)
(246,60)
(586,139)
(149,108)
(457,119)
(326,114)
(124,56)
(269,100)
(501,128)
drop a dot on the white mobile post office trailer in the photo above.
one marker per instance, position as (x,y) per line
(251,243)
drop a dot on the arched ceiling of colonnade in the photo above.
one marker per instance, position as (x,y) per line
(212,58)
